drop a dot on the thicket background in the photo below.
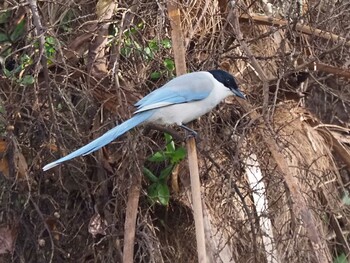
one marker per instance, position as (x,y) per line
(274,169)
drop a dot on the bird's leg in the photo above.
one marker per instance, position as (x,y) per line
(193,133)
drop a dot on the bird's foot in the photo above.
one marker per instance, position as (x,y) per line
(190,133)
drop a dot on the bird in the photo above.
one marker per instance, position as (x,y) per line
(180,101)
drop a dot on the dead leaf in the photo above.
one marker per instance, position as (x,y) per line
(97,225)
(7,239)
(3,146)
(21,165)
(4,166)
(52,224)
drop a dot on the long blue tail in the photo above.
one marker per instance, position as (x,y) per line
(104,139)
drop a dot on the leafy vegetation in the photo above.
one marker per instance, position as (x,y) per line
(158,191)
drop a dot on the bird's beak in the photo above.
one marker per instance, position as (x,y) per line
(238,93)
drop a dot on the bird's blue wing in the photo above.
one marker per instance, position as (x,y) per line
(164,97)
(182,89)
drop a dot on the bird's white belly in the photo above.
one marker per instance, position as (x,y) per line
(180,113)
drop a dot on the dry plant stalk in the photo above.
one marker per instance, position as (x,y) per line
(97,65)
(180,62)
(130,218)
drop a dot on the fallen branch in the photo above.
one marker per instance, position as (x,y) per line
(317,66)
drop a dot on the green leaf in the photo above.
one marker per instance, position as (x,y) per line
(159,192)
(346,198)
(178,155)
(50,40)
(149,53)
(147,50)
(150,175)
(340,259)
(164,174)
(7,72)
(125,51)
(4,17)
(66,22)
(152,192)
(158,157)
(17,69)
(2,109)
(18,32)
(127,42)
(153,45)
(163,194)
(3,38)
(27,80)
(140,25)
(170,145)
(50,51)
(133,30)
(129,32)
(169,64)
(166,43)
(26,60)
(59,107)
(155,75)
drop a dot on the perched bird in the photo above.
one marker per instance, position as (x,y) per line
(181,100)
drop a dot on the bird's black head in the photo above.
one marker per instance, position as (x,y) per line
(228,80)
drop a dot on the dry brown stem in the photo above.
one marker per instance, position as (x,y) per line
(345,73)
(97,61)
(130,218)
(180,62)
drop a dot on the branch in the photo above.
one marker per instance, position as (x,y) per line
(318,66)
(130,218)
(265,20)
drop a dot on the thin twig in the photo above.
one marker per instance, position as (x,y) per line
(234,15)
